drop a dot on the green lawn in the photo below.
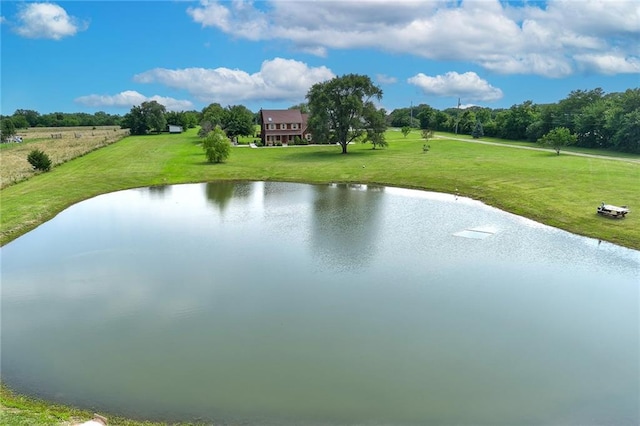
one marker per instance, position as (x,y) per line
(562,191)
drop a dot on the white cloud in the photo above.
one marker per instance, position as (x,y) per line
(547,65)
(467,85)
(278,79)
(129,98)
(46,20)
(385,79)
(609,64)
(543,38)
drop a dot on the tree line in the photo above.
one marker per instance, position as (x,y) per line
(25,118)
(596,120)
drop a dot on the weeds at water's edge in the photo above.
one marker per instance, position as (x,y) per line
(19,410)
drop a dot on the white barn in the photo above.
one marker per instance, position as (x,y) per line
(175,129)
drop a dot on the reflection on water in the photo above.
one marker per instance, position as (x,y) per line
(273,303)
(345,223)
(221,193)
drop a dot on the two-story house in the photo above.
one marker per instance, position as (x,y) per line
(282,126)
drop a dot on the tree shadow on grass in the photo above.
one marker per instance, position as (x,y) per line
(206,163)
(311,154)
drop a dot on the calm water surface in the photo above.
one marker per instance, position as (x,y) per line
(273,303)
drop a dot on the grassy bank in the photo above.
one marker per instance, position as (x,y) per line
(18,410)
(562,191)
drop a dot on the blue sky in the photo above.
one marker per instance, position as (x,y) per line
(89,56)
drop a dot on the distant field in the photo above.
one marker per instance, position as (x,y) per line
(61,144)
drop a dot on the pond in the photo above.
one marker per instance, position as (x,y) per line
(281,303)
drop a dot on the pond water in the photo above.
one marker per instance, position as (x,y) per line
(279,303)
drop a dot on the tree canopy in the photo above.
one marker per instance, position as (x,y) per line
(341,110)
(147,116)
(135,121)
(7,128)
(238,121)
(214,114)
(155,115)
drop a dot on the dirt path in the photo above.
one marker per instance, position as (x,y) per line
(579,154)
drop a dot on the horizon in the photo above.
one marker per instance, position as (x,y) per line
(86,57)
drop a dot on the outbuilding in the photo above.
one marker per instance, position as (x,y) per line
(175,129)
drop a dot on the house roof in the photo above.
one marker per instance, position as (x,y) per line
(281,116)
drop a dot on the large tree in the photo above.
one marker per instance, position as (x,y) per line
(213,114)
(341,109)
(30,115)
(7,128)
(148,116)
(154,114)
(135,121)
(303,107)
(238,121)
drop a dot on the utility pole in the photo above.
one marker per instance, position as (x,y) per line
(457,116)
(411,122)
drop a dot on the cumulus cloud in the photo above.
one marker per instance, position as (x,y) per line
(278,80)
(546,39)
(467,85)
(129,98)
(47,20)
(385,79)
(609,64)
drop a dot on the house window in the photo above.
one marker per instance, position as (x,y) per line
(294,126)
(272,126)
(308,136)
(283,126)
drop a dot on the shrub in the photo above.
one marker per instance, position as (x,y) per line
(477,132)
(558,138)
(39,160)
(427,134)
(216,146)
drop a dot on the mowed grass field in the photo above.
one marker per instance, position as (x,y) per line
(561,191)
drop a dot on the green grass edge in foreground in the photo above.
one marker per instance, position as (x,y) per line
(20,410)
